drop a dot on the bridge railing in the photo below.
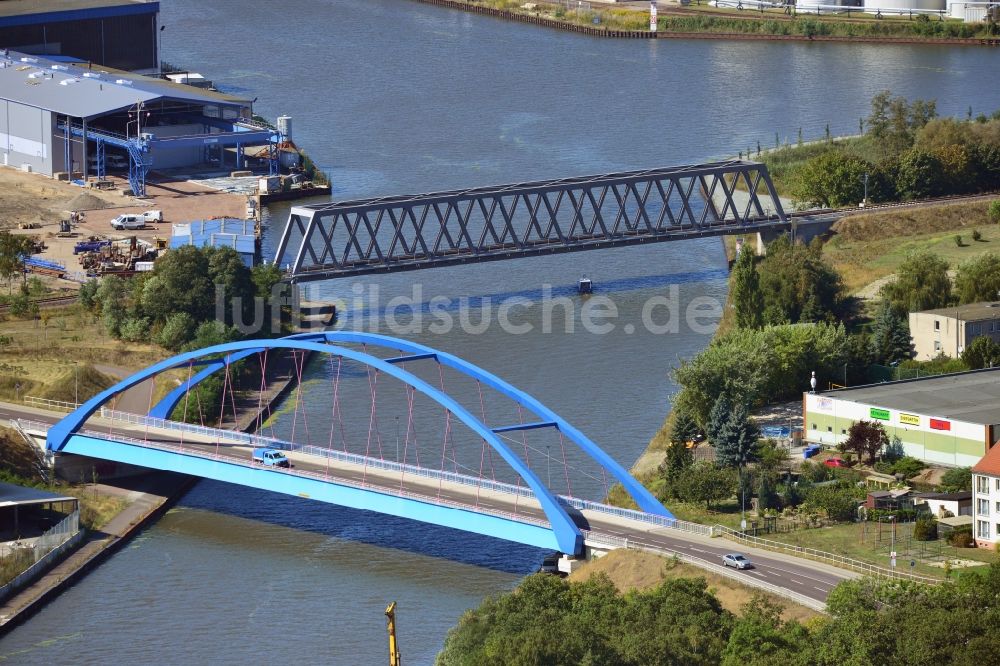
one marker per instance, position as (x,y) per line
(833,559)
(46,403)
(320,476)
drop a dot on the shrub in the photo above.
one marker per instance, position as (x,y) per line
(961,537)
(994,211)
(925,529)
(976,236)
(958,240)
(907,466)
(838,503)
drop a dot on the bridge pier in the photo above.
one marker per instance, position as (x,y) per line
(802,232)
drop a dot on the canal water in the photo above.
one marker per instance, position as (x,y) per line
(393,96)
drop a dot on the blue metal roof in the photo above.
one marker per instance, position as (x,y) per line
(228,232)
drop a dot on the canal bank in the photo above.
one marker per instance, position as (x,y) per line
(716,25)
(149,497)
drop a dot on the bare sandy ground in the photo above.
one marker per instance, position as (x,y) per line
(27,198)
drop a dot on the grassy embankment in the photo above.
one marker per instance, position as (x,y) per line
(703,19)
(635,570)
(49,355)
(847,540)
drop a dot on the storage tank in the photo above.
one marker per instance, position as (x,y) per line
(285,127)
(896,7)
(970,12)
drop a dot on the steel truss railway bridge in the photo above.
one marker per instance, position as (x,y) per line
(490,223)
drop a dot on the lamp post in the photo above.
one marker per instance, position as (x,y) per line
(397,439)
(864,179)
(76,383)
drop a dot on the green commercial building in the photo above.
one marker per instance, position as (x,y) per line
(948,419)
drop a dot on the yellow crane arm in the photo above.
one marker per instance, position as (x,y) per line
(390,616)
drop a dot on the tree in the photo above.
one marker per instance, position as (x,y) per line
(736,440)
(760,638)
(831,179)
(890,336)
(921,283)
(114,298)
(684,428)
(978,279)
(675,465)
(918,175)
(14,248)
(793,275)
(957,480)
(982,352)
(837,503)
(925,529)
(866,438)
(227,270)
(177,331)
(180,282)
(747,299)
(706,482)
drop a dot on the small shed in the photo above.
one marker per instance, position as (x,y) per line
(28,512)
(946,525)
(940,504)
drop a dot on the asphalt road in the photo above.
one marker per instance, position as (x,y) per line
(801,576)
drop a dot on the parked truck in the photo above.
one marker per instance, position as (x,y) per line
(270,458)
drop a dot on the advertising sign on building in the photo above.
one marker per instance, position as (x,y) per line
(909,419)
(652,16)
(938,424)
(880,414)
(824,405)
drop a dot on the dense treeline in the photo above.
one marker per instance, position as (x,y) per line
(906,152)
(549,621)
(192,299)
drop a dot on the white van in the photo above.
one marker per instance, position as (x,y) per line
(128,222)
(153,216)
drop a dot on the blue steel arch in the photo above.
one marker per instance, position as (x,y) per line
(567,534)
(643,498)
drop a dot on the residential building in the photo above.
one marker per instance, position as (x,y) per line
(949,331)
(986,499)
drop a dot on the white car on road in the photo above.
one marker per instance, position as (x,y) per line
(736,560)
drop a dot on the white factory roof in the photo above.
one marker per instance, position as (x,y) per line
(83,91)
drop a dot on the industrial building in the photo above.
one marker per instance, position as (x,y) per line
(949,419)
(113,33)
(77,121)
(950,331)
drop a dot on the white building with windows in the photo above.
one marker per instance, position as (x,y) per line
(949,331)
(986,499)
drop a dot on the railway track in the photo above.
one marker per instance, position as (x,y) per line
(52,302)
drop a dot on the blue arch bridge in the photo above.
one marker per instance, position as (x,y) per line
(468,453)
